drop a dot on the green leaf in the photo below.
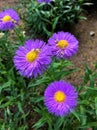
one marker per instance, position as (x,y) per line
(6,85)
(76,115)
(55,22)
(83,115)
(40,123)
(20,107)
(96,105)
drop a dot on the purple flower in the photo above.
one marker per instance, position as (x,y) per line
(33,58)
(8,19)
(60,98)
(45,1)
(64,44)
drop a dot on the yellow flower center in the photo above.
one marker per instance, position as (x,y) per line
(32,55)
(62,44)
(6,18)
(59,96)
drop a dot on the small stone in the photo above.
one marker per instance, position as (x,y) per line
(92,33)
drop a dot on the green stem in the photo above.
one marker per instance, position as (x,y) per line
(51,76)
(6,35)
(19,35)
(62,64)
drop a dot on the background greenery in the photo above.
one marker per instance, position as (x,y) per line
(45,19)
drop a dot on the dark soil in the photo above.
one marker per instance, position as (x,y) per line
(87,53)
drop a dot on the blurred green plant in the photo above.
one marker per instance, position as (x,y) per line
(44,19)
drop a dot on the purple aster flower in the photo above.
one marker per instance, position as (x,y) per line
(64,44)
(8,19)
(45,1)
(32,58)
(60,98)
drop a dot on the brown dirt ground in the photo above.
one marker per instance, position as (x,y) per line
(7,3)
(87,53)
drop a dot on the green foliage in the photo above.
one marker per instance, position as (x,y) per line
(85,115)
(21,100)
(44,19)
